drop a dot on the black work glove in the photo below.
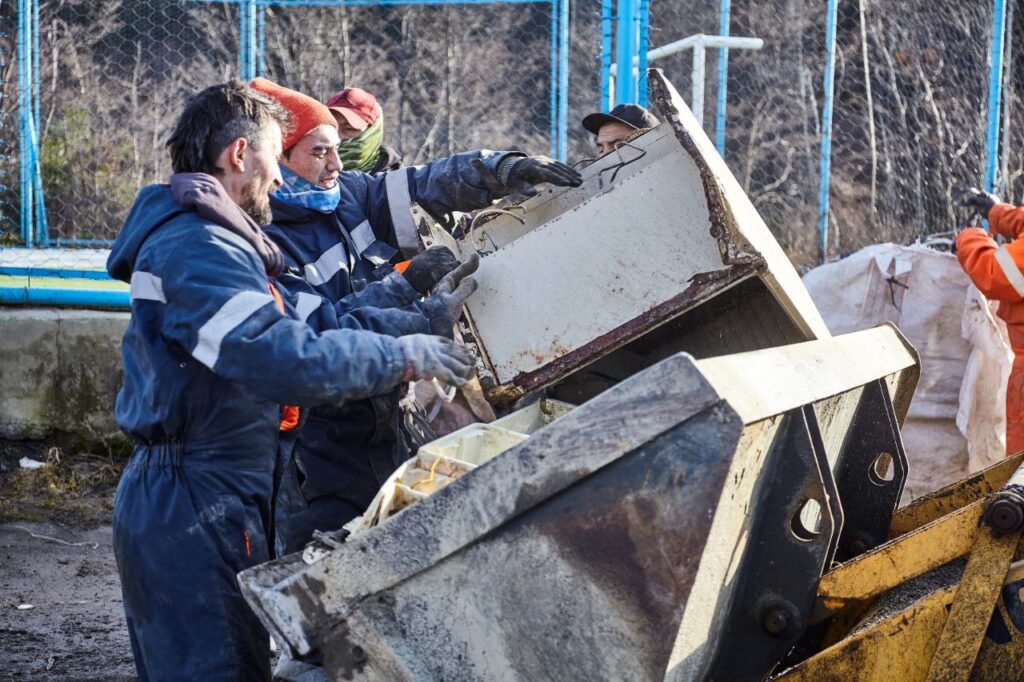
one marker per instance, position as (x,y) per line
(455,287)
(434,357)
(976,199)
(427,268)
(519,174)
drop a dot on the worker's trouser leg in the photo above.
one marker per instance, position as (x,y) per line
(1015,408)
(184,526)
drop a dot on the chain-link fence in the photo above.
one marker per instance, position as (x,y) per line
(910,121)
(103,81)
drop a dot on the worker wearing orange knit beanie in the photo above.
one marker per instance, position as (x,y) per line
(307,113)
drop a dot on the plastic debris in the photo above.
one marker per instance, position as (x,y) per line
(28,463)
(25,607)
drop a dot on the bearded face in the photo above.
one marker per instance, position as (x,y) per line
(256,200)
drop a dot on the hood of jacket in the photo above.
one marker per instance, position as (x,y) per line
(153,207)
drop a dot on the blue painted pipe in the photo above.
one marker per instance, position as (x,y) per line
(995,92)
(54,272)
(78,298)
(826,129)
(725,12)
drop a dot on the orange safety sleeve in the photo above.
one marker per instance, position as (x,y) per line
(1006,220)
(289,413)
(994,269)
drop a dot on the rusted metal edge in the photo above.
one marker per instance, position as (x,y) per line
(732,245)
(651,319)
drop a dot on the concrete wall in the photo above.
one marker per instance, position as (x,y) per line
(59,374)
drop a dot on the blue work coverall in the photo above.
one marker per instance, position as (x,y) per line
(342,455)
(209,358)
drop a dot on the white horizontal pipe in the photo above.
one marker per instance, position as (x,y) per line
(728,42)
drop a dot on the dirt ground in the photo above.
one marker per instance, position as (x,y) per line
(56,556)
(75,627)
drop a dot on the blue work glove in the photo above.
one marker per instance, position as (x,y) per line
(434,357)
(455,287)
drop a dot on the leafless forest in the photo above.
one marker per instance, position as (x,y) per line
(909,120)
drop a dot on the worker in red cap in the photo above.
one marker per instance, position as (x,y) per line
(341,230)
(998,272)
(361,128)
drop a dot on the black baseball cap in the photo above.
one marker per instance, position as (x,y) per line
(633,115)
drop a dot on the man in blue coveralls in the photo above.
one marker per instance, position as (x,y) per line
(339,232)
(212,352)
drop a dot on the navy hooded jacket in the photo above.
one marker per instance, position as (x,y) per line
(340,252)
(208,355)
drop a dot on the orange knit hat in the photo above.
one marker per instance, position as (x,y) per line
(307,113)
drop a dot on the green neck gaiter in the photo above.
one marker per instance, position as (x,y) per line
(361,152)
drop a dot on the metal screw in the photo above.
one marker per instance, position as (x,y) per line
(778,617)
(775,621)
(860,543)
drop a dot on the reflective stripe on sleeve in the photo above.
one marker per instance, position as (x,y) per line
(235,239)
(396,183)
(306,304)
(333,261)
(234,312)
(1010,269)
(146,286)
(363,236)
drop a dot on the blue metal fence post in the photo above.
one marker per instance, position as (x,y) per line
(42,230)
(995,91)
(725,11)
(563,82)
(826,129)
(246,39)
(643,20)
(626,44)
(25,114)
(553,97)
(261,40)
(606,56)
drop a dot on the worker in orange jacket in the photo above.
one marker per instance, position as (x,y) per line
(998,272)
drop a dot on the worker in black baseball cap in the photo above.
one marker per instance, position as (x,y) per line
(618,125)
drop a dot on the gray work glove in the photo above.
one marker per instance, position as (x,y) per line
(519,174)
(427,268)
(976,199)
(434,357)
(455,287)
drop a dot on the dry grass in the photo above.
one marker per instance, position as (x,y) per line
(75,490)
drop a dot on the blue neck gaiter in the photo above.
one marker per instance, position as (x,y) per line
(298,192)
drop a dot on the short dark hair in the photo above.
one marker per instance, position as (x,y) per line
(215,118)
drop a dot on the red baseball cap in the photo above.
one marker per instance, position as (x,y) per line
(356,106)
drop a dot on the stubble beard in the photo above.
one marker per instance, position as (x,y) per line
(256,203)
